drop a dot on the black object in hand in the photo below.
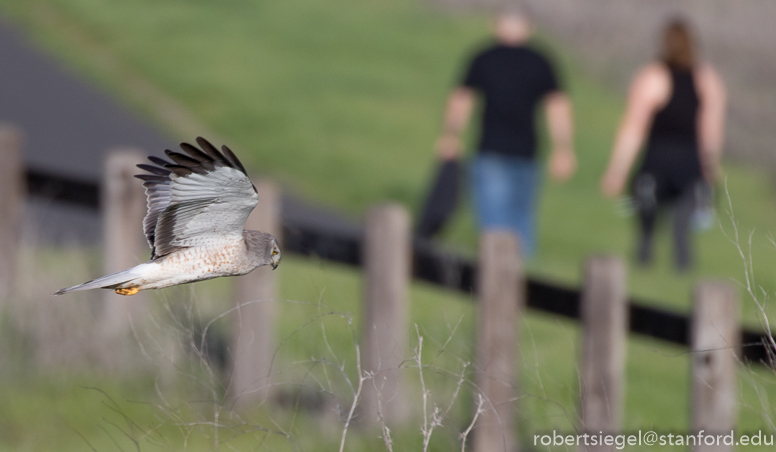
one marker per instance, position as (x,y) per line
(442,199)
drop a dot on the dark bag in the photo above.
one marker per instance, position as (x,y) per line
(442,199)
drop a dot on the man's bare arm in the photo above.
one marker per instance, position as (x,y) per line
(560,122)
(459,108)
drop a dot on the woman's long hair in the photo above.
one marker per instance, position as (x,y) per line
(678,46)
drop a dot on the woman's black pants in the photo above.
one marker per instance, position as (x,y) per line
(682,209)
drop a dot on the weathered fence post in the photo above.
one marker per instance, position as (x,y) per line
(604,330)
(123,207)
(501,295)
(715,344)
(11,203)
(253,328)
(386,257)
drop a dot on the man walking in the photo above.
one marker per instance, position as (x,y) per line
(513,80)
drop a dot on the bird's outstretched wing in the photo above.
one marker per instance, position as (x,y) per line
(201,197)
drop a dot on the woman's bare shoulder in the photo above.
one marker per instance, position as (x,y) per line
(652,81)
(652,73)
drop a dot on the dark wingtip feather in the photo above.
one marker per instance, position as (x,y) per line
(205,143)
(179,170)
(158,161)
(233,159)
(154,169)
(204,159)
(186,161)
(194,160)
(152,178)
(210,150)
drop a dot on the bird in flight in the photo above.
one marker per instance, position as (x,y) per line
(197,207)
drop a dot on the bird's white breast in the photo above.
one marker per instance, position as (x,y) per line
(223,257)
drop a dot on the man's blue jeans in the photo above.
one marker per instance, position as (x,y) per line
(505,189)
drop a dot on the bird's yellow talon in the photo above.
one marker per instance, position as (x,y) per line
(127,291)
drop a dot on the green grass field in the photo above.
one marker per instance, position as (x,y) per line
(68,410)
(341,101)
(319,315)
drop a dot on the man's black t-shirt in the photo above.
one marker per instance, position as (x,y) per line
(512,80)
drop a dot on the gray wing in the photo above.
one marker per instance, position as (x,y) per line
(203,197)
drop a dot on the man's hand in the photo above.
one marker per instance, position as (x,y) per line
(612,184)
(560,121)
(448,147)
(562,164)
(460,103)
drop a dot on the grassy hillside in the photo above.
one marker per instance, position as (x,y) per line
(341,100)
(318,316)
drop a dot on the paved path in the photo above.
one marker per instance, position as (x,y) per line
(69,124)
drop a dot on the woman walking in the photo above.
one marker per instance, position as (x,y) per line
(677,106)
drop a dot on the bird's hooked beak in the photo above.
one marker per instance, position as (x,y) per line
(275,264)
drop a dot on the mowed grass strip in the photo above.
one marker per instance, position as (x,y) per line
(319,314)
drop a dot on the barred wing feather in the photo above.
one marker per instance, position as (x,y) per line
(157,188)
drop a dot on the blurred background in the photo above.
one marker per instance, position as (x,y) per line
(340,102)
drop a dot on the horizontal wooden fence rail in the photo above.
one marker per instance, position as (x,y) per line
(67,190)
(430,264)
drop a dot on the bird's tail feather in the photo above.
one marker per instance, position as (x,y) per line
(106,282)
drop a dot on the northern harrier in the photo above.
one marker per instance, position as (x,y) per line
(197,207)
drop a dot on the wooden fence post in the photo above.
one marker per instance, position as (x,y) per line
(501,296)
(253,328)
(715,344)
(11,203)
(605,327)
(386,258)
(123,206)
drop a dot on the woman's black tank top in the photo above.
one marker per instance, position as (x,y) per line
(672,146)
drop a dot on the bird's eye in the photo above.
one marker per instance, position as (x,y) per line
(274,252)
